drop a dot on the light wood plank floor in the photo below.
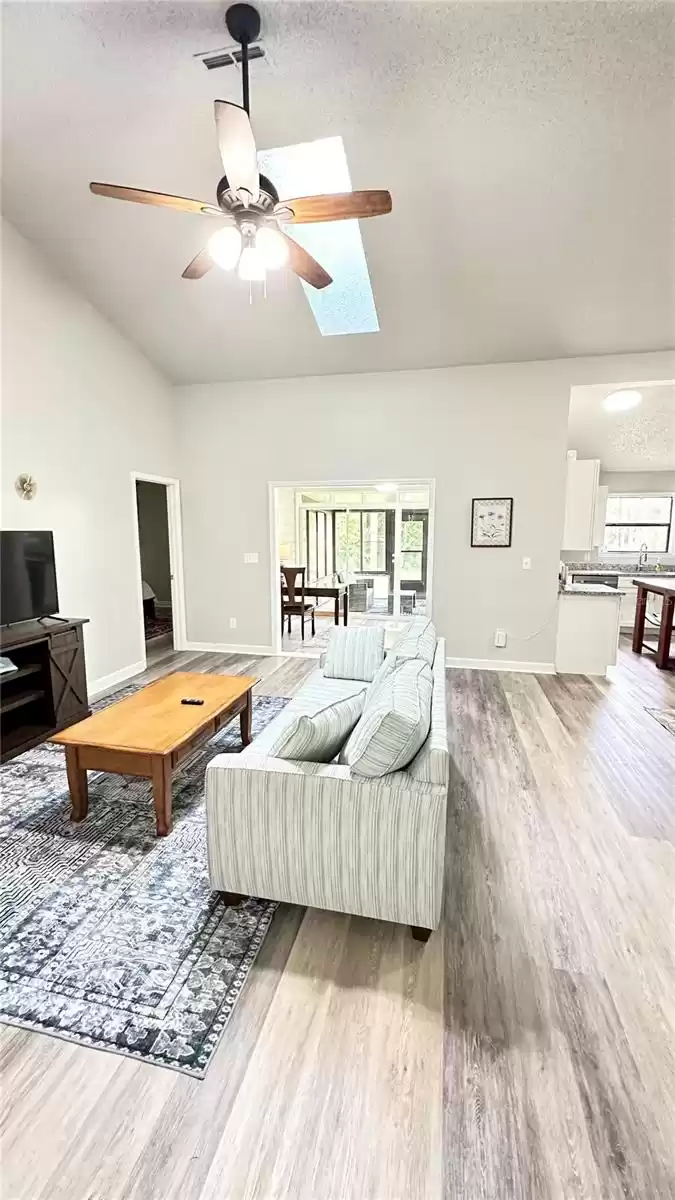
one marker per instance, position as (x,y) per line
(527,1051)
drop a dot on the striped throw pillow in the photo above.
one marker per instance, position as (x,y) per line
(319,737)
(354,653)
(395,722)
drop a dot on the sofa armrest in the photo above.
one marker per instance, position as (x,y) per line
(316,834)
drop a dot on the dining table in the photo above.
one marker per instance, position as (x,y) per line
(665,588)
(330,587)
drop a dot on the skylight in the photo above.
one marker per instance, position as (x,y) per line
(315,168)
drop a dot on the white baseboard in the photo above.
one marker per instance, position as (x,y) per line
(107,681)
(495,664)
(227,648)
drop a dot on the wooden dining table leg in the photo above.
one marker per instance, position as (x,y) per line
(337,608)
(345,606)
(77,785)
(665,632)
(639,623)
(161,792)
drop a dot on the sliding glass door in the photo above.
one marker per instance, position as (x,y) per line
(380,552)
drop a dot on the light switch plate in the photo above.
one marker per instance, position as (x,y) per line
(527,563)
(251,556)
(233,622)
(500,638)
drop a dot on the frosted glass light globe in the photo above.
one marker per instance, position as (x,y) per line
(622,400)
(251,265)
(225,247)
(272,246)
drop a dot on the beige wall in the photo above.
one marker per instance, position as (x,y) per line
(81,410)
(479,431)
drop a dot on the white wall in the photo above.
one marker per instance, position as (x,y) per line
(640,482)
(286,518)
(81,409)
(479,431)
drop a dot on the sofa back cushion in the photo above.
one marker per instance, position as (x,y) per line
(354,653)
(418,641)
(431,763)
(317,737)
(395,721)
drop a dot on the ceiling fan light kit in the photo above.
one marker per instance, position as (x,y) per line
(247,202)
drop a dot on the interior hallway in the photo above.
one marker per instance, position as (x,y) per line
(528,1050)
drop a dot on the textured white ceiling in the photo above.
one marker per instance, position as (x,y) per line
(527,148)
(642,439)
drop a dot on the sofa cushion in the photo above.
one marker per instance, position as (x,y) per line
(431,763)
(318,737)
(316,693)
(418,641)
(354,653)
(395,721)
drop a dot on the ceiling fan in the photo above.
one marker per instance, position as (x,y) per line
(247,203)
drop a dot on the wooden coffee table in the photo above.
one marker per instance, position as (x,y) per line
(151,732)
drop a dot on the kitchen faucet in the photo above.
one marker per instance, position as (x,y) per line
(642,561)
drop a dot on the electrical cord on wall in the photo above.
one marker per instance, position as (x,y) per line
(529,636)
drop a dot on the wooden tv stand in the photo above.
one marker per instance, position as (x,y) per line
(49,691)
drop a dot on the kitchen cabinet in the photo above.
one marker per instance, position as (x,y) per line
(600,516)
(583,504)
(587,636)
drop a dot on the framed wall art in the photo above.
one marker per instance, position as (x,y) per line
(491,521)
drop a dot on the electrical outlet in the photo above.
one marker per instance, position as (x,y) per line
(251,557)
(527,563)
(500,638)
(233,622)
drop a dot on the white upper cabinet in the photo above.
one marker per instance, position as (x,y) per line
(582,504)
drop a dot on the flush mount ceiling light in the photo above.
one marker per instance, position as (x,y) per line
(248,201)
(622,400)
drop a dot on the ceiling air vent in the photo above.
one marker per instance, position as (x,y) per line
(229,56)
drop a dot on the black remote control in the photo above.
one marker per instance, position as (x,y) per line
(192,701)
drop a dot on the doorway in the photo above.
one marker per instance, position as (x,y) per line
(157,512)
(373,539)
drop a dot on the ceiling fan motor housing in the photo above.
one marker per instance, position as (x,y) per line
(243,23)
(269,195)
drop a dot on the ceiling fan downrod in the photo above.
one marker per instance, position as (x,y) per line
(243,24)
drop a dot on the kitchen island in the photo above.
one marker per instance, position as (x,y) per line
(665,588)
(587,639)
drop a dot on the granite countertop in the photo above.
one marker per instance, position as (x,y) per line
(589,589)
(615,568)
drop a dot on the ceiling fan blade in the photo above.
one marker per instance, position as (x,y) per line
(237,149)
(305,266)
(201,263)
(161,199)
(342,206)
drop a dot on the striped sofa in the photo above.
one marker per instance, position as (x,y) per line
(319,835)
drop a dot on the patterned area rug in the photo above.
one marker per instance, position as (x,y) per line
(157,627)
(109,936)
(665,717)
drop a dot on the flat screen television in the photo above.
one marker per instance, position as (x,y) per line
(27,575)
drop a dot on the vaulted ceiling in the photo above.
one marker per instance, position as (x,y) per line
(527,148)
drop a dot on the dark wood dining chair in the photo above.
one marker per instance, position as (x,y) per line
(293,601)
